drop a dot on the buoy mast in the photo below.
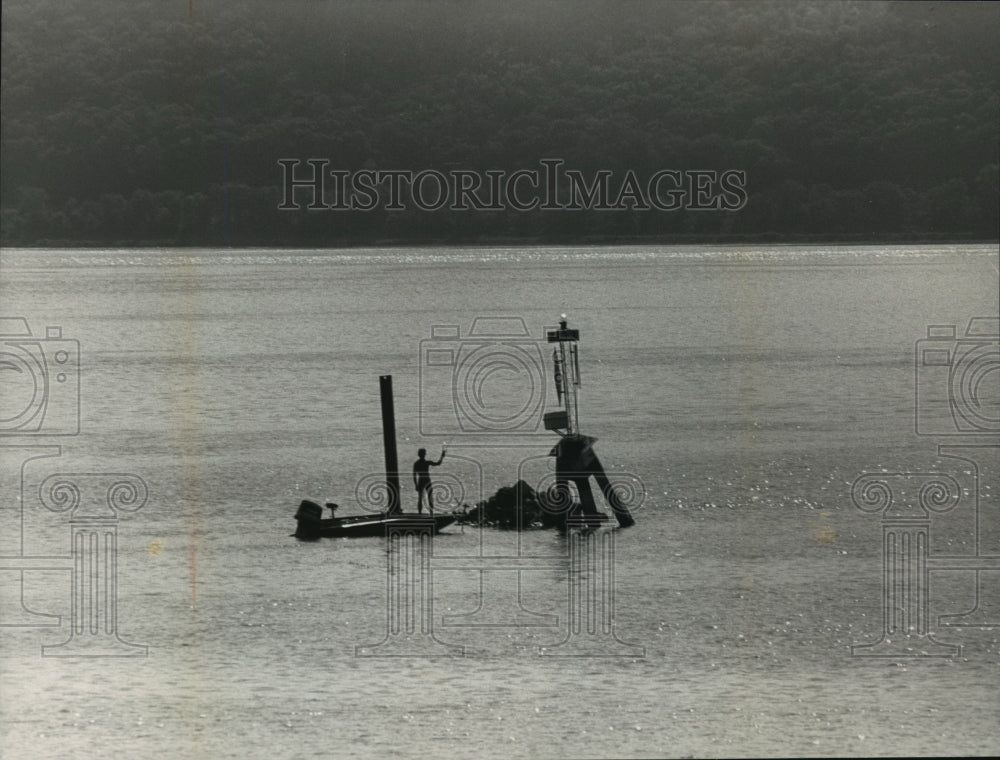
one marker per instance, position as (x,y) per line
(566,364)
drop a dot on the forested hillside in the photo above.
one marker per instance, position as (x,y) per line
(163,121)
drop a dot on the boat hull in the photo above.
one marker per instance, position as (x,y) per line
(368,526)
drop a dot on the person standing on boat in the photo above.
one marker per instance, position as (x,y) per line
(422,479)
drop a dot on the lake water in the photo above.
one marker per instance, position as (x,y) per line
(739,390)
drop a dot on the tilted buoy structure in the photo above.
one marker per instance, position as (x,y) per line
(576,460)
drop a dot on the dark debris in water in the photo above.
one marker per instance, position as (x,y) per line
(519,507)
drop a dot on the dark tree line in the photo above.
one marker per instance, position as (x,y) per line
(162,121)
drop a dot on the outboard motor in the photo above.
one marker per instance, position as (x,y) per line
(309,510)
(308,517)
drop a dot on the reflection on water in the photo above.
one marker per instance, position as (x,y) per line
(746,388)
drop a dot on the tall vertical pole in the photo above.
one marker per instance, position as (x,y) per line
(574,363)
(389,443)
(568,389)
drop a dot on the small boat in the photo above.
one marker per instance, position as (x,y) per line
(312,524)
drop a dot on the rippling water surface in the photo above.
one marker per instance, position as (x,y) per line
(741,390)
